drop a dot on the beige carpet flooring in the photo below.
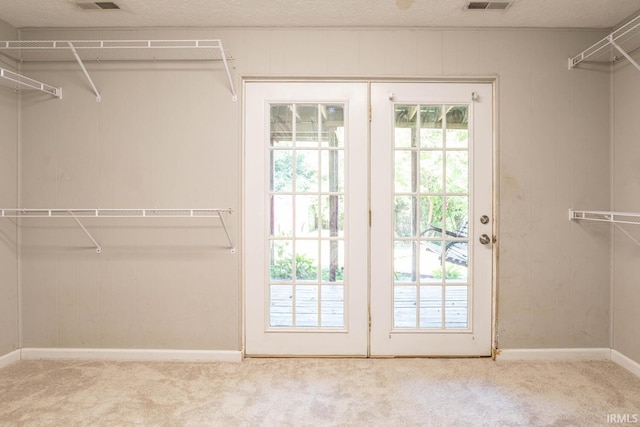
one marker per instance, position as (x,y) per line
(318,392)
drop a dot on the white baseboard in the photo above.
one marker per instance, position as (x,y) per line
(554,354)
(9,358)
(145,355)
(627,363)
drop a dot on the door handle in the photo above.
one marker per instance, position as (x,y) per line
(484,239)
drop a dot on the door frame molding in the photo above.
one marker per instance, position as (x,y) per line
(494,80)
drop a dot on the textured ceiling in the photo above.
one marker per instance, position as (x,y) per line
(318,13)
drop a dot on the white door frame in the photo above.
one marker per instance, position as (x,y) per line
(492,81)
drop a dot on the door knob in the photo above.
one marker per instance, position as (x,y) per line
(485,240)
(484,219)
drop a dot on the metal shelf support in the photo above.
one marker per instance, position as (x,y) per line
(625,54)
(121,213)
(30,83)
(98,247)
(86,73)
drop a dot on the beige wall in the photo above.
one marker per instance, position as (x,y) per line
(625,189)
(170,138)
(9,340)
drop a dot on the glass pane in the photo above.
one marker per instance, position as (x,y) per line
(281,170)
(431,306)
(457,216)
(456,304)
(431,171)
(406,125)
(307,260)
(332,255)
(405,307)
(431,261)
(281,260)
(332,306)
(437,274)
(281,305)
(307,126)
(402,138)
(431,216)
(282,216)
(306,216)
(404,261)
(457,172)
(431,138)
(332,171)
(332,127)
(406,207)
(457,119)
(307,305)
(307,171)
(281,125)
(431,126)
(332,215)
(457,138)
(405,168)
(456,261)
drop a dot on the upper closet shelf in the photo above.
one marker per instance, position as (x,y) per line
(622,41)
(75,214)
(82,51)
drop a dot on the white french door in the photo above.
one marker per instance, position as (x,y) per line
(305,218)
(431,238)
(343,260)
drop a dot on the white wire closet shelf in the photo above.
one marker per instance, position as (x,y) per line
(83,51)
(619,43)
(14,80)
(76,214)
(615,218)
(605,216)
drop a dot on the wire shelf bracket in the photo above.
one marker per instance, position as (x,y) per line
(82,51)
(625,34)
(86,73)
(615,218)
(76,214)
(28,83)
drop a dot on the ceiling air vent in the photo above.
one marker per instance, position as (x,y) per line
(487,5)
(89,5)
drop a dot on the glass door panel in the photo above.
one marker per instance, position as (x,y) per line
(305,218)
(308,200)
(431,282)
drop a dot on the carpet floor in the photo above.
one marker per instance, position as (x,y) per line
(318,392)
